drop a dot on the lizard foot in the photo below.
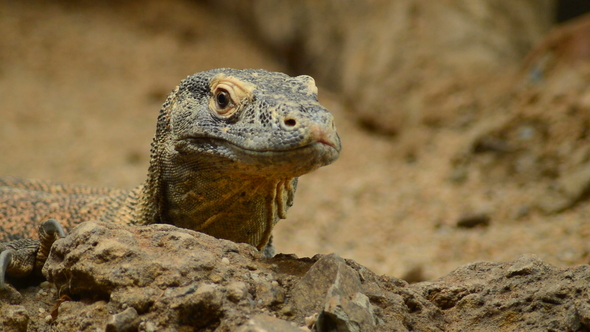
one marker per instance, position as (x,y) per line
(21,258)
(49,231)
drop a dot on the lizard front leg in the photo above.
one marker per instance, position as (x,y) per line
(21,258)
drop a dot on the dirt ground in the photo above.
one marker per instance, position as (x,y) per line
(81,86)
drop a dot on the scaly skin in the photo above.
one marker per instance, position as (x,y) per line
(229,147)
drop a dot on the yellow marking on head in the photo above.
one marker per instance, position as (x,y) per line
(310,83)
(229,94)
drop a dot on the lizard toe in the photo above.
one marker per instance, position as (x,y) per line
(5,259)
(52,227)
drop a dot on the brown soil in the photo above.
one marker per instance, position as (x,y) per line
(80,88)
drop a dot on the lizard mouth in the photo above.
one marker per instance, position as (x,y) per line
(303,158)
(326,144)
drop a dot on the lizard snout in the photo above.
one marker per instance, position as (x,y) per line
(317,128)
(326,135)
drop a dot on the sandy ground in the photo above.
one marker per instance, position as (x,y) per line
(80,89)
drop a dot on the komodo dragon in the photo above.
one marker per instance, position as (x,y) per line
(228,148)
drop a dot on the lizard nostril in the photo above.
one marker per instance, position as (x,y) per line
(290,122)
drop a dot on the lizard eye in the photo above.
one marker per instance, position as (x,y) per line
(224,102)
(222,98)
(228,95)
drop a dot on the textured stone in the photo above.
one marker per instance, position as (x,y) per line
(523,295)
(123,321)
(569,189)
(15,318)
(160,277)
(266,323)
(354,314)
(330,271)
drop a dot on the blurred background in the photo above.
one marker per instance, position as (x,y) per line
(465,123)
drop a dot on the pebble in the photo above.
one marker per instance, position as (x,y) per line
(126,320)
(150,327)
(236,291)
(311,320)
(472,220)
(46,284)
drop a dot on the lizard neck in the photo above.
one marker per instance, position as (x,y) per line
(241,209)
(215,200)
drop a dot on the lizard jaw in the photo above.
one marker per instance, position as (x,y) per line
(297,160)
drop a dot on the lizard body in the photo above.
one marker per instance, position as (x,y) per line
(228,149)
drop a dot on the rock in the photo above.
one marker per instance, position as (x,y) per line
(471,220)
(236,291)
(569,189)
(159,277)
(80,315)
(103,257)
(161,269)
(330,271)
(415,274)
(139,298)
(124,321)
(266,323)
(523,295)
(331,283)
(201,307)
(176,278)
(15,318)
(354,314)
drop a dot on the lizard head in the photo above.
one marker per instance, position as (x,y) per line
(228,149)
(262,122)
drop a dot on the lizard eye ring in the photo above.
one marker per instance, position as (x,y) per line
(224,101)
(228,95)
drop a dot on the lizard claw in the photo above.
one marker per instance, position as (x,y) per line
(52,227)
(21,258)
(49,231)
(5,259)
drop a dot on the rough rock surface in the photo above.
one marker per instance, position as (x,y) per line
(523,295)
(540,139)
(163,278)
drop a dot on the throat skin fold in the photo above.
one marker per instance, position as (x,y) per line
(235,207)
